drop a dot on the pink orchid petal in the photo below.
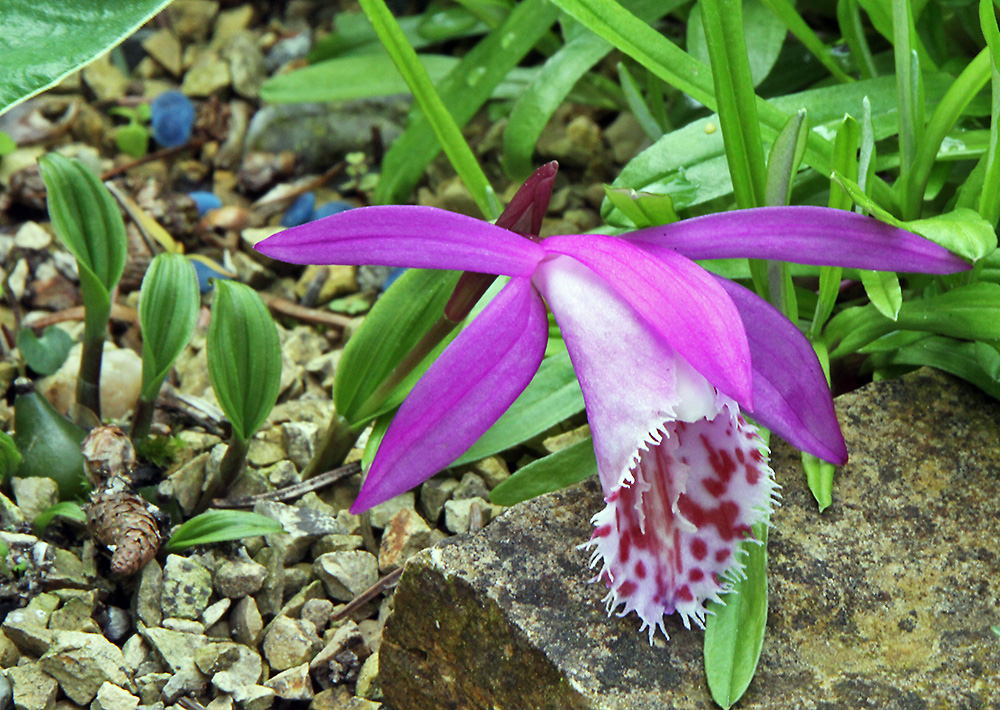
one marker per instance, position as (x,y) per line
(679,299)
(399,235)
(631,378)
(669,541)
(468,387)
(790,393)
(804,235)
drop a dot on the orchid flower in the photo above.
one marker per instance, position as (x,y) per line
(667,356)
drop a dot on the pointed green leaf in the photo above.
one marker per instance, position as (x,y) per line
(65,509)
(86,219)
(571,465)
(734,633)
(978,363)
(784,159)
(10,457)
(46,40)
(244,357)
(168,310)
(399,319)
(819,475)
(220,526)
(883,291)
(49,444)
(962,231)
(552,396)
(46,354)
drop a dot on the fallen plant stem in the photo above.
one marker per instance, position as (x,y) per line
(118,312)
(296,490)
(150,157)
(284,307)
(369,594)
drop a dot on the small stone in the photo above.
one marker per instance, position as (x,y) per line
(187,626)
(434,493)
(192,19)
(568,438)
(231,22)
(105,79)
(165,48)
(147,598)
(135,651)
(11,516)
(289,49)
(187,587)
(209,75)
(113,697)
(406,535)
(273,592)
(26,628)
(9,654)
(221,702)
(74,615)
(32,688)
(246,622)
(346,574)
(382,513)
(246,65)
(233,667)
(239,578)
(341,658)
(471,486)
(264,453)
(317,611)
(117,623)
(367,683)
(150,686)
(82,662)
(256,697)
(34,495)
(458,514)
(299,440)
(215,612)
(336,543)
(33,236)
(493,470)
(290,642)
(121,381)
(292,684)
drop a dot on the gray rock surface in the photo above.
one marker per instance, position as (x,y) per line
(885,600)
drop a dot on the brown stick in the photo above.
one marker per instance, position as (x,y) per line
(293,491)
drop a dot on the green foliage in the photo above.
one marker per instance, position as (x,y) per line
(571,465)
(168,310)
(214,526)
(47,353)
(7,144)
(244,357)
(54,38)
(10,457)
(65,509)
(49,445)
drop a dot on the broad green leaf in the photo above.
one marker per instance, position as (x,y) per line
(432,107)
(350,77)
(132,140)
(978,363)
(989,201)
(44,41)
(220,526)
(397,322)
(962,231)
(49,444)
(883,291)
(7,144)
(65,509)
(734,631)
(552,396)
(463,92)
(86,219)
(168,311)
(968,312)
(563,468)
(10,457)
(46,354)
(244,357)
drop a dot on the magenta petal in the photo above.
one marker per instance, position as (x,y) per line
(804,235)
(467,388)
(394,235)
(679,299)
(790,394)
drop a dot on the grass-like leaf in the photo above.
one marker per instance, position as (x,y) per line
(571,465)
(734,633)
(220,526)
(989,201)
(244,357)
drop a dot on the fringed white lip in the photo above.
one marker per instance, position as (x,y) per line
(684,475)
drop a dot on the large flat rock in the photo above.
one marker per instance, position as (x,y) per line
(883,601)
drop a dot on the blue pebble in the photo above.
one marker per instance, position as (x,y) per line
(300,212)
(206,201)
(331,208)
(171,115)
(204,272)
